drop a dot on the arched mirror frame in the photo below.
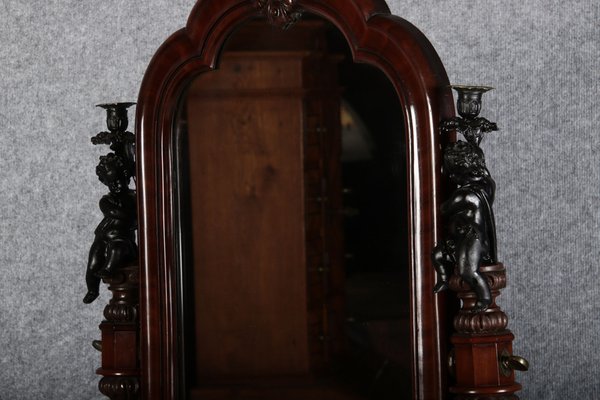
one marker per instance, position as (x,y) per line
(375,37)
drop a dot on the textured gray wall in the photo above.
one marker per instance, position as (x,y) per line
(59,58)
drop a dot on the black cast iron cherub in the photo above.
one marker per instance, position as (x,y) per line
(470,237)
(114,242)
(470,234)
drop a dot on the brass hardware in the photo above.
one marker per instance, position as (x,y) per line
(452,363)
(97,344)
(510,363)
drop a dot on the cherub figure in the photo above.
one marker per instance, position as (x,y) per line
(471,232)
(114,244)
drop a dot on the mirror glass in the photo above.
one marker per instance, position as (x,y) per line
(292,236)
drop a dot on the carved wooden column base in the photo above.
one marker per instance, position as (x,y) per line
(479,370)
(120,337)
(120,387)
(482,346)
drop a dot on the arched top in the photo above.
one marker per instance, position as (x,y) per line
(373,34)
(375,37)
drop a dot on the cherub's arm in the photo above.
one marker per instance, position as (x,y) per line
(486,125)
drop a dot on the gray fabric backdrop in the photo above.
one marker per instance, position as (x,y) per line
(59,58)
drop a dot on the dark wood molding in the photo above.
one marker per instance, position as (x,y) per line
(375,37)
(120,336)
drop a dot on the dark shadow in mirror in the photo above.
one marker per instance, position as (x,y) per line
(291,187)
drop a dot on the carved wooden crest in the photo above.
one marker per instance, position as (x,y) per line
(281,13)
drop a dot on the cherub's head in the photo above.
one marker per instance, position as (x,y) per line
(113,172)
(464,163)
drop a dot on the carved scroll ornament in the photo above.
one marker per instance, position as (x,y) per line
(281,13)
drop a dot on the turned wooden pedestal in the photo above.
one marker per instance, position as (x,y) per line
(482,345)
(120,337)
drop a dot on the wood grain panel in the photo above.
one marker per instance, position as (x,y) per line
(248,218)
(248,234)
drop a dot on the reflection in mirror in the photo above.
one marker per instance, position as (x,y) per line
(292,208)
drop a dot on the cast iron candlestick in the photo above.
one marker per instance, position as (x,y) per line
(113,258)
(472,127)
(466,261)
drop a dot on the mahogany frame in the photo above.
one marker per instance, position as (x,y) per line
(375,37)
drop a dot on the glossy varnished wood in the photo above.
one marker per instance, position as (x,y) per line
(375,37)
(120,336)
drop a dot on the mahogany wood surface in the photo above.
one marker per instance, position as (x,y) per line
(120,337)
(375,37)
(480,341)
(288,389)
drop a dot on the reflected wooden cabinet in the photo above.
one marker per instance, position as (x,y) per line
(262,212)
